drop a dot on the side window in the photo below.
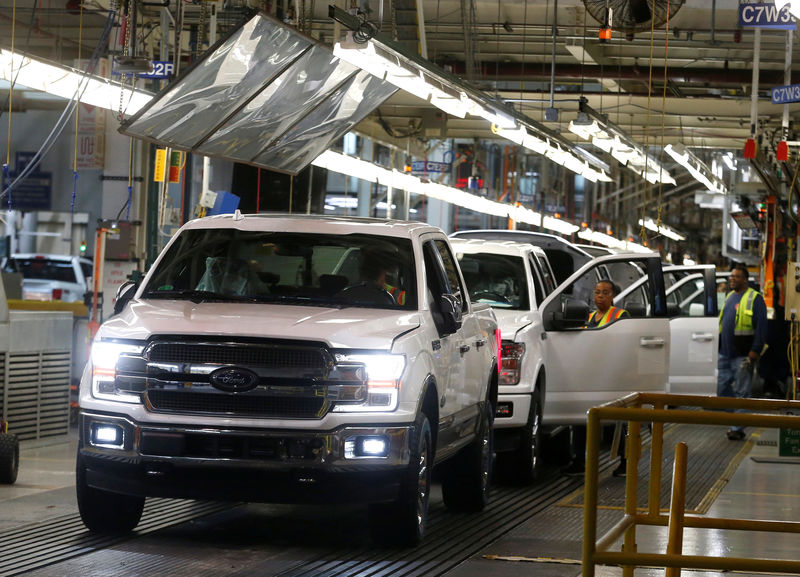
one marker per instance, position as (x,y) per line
(451,270)
(537,281)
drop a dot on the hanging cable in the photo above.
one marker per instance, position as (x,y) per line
(61,123)
(10,101)
(663,112)
(643,230)
(77,117)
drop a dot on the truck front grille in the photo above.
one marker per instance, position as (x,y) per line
(176,375)
(244,405)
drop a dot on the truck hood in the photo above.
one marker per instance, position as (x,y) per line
(352,327)
(512,321)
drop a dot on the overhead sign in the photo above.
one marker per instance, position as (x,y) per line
(765,16)
(422,166)
(785,94)
(162,69)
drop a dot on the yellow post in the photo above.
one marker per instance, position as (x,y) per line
(590,493)
(634,453)
(656,453)
(677,507)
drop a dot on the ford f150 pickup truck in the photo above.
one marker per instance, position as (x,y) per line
(553,369)
(276,358)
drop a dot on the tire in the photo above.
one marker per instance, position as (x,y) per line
(522,465)
(465,485)
(403,522)
(9,458)
(104,511)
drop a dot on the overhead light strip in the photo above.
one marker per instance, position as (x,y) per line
(608,137)
(662,230)
(391,62)
(355,167)
(696,167)
(66,82)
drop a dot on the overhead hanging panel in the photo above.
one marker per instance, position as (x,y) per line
(333,117)
(265,95)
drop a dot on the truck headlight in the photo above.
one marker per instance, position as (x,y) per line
(105,355)
(380,372)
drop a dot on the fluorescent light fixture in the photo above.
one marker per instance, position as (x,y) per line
(662,230)
(696,167)
(358,168)
(66,82)
(605,135)
(391,61)
(611,242)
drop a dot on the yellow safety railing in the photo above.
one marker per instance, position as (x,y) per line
(651,408)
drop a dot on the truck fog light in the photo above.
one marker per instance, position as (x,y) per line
(363,447)
(504,410)
(105,435)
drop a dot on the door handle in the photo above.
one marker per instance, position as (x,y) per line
(463,349)
(480,342)
(651,342)
(702,336)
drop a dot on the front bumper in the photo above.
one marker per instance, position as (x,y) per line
(258,465)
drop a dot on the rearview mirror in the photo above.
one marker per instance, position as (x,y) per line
(573,315)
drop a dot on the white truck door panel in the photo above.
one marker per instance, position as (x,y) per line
(588,367)
(694,333)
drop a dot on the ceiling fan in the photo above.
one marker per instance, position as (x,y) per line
(631,16)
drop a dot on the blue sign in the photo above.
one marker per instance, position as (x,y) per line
(765,16)
(429,166)
(161,69)
(785,94)
(32,193)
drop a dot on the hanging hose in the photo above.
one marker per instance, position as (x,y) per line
(77,117)
(68,110)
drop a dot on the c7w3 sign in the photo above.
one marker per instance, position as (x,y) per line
(765,16)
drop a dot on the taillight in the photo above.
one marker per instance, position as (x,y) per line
(497,348)
(511,362)
(57,292)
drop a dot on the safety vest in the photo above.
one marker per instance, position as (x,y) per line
(612,314)
(399,295)
(744,314)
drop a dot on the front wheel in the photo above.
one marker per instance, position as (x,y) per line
(465,486)
(522,465)
(403,522)
(9,458)
(104,511)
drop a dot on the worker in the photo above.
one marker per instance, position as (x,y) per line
(742,334)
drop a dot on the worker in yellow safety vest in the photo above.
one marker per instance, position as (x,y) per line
(742,334)
(606,313)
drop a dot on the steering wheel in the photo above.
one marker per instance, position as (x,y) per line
(492,296)
(367,292)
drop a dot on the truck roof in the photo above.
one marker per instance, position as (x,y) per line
(314,223)
(494,246)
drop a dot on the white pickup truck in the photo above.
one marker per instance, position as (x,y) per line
(279,358)
(554,370)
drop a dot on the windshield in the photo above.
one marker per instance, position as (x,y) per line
(291,268)
(496,279)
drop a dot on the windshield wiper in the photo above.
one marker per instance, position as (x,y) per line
(198,296)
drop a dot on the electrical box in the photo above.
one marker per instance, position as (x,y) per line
(792,287)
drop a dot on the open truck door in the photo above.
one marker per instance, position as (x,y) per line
(592,366)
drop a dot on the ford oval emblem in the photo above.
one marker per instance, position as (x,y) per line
(234,380)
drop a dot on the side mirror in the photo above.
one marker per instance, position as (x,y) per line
(451,313)
(124,294)
(573,315)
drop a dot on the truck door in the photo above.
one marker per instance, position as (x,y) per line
(588,367)
(694,333)
(445,348)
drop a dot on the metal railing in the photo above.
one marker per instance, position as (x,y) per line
(652,408)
